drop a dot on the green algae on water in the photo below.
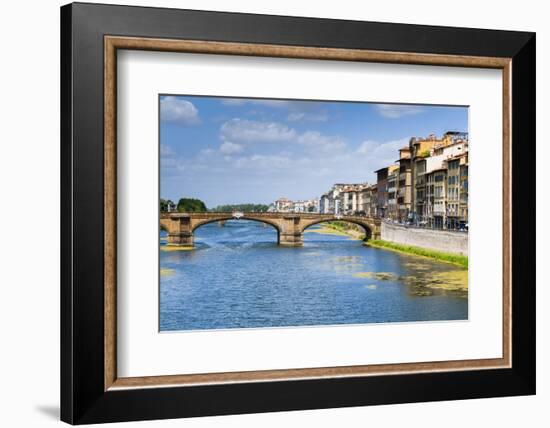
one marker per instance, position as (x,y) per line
(382,276)
(166,271)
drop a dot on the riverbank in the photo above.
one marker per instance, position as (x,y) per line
(446,241)
(452,258)
(339,228)
(170,248)
(324,230)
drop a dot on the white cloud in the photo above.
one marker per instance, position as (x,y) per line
(325,159)
(177,110)
(250,131)
(366,147)
(228,148)
(295,117)
(299,111)
(265,163)
(166,151)
(300,169)
(301,116)
(316,141)
(206,152)
(395,111)
(238,132)
(168,162)
(384,153)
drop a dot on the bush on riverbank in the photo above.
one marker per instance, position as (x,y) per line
(456,259)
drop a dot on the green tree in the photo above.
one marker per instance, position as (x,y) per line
(190,205)
(257,208)
(164,205)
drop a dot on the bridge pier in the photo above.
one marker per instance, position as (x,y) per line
(290,231)
(291,239)
(183,239)
(179,230)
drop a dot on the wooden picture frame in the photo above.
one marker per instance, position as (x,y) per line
(91,390)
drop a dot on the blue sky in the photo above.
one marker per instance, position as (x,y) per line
(237,150)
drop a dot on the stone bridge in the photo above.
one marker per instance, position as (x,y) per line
(290,226)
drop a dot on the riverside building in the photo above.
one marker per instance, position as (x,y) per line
(429,186)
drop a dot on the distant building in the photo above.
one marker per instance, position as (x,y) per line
(284,205)
(372,209)
(382,192)
(368,201)
(351,198)
(348,199)
(306,206)
(363,200)
(453,193)
(457,191)
(393,183)
(404,185)
(324,204)
(438,209)
(463,202)
(332,200)
(419,191)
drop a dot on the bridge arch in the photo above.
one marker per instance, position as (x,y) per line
(366,227)
(273,224)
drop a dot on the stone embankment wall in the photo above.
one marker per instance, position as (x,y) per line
(440,240)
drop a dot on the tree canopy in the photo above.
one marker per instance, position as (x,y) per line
(186,205)
(257,208)
(164,204)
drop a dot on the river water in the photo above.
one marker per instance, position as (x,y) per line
(238,277)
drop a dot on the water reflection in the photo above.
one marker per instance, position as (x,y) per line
(238,277)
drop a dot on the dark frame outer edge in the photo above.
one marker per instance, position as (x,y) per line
(66,315)
(524,216)
(83,399)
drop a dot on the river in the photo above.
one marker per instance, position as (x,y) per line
(238,277)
